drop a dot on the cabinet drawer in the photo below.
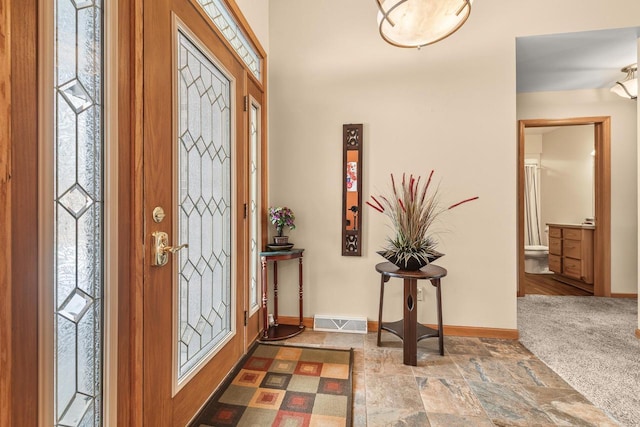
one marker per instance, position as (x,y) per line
(572,233)
(572,248)
(572,268)
(555,246)
(555,232)
(555,263)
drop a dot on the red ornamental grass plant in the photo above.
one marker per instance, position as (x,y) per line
(412,208)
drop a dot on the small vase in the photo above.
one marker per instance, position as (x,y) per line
(280,240)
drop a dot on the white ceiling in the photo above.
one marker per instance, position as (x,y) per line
(572,61)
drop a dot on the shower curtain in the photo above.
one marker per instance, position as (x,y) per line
(531,205)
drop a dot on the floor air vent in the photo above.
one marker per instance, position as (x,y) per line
(354,325)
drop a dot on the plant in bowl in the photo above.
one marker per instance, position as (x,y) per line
(413,207)
(281,217)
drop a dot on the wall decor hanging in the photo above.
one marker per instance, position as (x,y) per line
(352,139)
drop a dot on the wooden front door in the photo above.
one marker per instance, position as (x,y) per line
(195,191)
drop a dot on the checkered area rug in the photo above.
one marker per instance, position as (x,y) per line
(284,386)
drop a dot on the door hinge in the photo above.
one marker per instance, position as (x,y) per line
(246,318)
(246,103)
(245,211)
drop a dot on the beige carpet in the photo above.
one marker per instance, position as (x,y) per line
(590,342)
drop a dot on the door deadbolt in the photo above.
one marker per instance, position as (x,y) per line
(158,214)
(161,248)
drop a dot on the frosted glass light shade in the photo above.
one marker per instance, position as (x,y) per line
(417,23)
(627,88)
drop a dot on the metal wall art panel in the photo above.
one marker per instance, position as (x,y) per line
(352,140)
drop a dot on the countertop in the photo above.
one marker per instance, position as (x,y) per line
(582,226)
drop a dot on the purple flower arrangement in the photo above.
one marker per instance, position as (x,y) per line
(282,217)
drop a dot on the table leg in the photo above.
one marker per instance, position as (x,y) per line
(383,280)
(275,293)
(300,285)
(265,318)
(380,307)
(410,321)
(436,283)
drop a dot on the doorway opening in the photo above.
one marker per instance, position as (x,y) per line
(599,232)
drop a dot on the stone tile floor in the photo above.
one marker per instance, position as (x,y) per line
(478,382)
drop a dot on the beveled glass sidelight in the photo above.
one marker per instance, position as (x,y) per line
(78,205)
(352,190)
(254,203)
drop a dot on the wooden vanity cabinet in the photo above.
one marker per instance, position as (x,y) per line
(555,249)
(571,254)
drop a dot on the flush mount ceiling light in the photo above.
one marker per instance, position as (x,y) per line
(417,23)
(627,88)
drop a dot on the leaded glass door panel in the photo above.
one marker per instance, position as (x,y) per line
(195,173)
(254,209)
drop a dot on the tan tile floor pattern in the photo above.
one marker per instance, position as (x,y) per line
(478,382)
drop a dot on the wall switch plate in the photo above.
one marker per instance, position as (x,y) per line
(420,293)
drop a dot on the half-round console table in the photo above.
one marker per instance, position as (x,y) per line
(408,328)
(277,331)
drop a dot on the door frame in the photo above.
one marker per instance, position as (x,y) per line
(19,189)
(602,178)
(45,211)
(18,212)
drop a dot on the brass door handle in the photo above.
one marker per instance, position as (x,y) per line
(161,248)
(173,250)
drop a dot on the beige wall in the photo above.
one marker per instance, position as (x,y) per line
(257,14)
(566,172)
(532,147)
(450,106)
(638,216)
(567,176)
(624,190)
